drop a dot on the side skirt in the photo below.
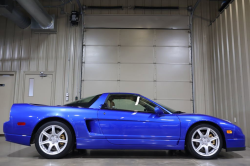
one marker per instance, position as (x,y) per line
(83,143)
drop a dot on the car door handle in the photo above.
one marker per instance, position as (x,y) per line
(104,113)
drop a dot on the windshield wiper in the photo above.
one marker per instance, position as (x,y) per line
(179,112)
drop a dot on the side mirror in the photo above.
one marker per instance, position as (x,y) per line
(159,111)
(103,106)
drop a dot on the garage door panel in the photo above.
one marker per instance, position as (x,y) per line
(172,55)
(136,54)
(137,21)
(172,38)
(101,54)
(137,72)
(153,62)
(179,105)
(137,37)
(174,90)
(102,37)
(91,88)
(173,72)
(144,88)
(101,72)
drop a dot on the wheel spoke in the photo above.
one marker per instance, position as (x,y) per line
(212,146)
(53,130)
(60,133)
(57,148)
(62,141)
(199,132)
(46,134)
(46,142)
(199,148)
(50,146)
(208,131)
(213,138)
(206,149)
(196,140)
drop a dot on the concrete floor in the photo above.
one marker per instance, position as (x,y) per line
(14,154)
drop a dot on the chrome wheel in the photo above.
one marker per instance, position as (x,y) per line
(205,141)
(53,140)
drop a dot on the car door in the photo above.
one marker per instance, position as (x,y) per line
(130,119)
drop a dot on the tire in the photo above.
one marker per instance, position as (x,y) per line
(54,145)
(204,141)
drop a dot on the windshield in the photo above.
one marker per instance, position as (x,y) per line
(85,103)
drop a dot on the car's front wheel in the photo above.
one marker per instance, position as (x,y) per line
(204,141)
(54,140)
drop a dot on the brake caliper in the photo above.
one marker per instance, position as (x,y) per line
(213,142)
(62,137)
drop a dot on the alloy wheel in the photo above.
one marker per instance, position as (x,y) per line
(53,140)
(205,141)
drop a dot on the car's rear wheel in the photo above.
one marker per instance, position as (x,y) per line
(204,141)
(54,140)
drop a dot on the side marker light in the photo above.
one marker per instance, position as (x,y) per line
(21,123)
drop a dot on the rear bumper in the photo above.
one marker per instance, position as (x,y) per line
(19,139)
(15,138)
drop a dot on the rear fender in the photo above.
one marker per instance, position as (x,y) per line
(33,115)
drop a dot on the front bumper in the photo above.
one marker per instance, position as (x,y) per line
(237,142)
(236,149)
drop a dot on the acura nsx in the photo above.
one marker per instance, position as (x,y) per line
(119,121)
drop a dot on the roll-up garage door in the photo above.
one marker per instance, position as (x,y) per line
(154,62)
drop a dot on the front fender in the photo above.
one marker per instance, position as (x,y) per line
(189,120)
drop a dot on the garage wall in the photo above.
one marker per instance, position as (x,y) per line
(231,41)
(202,59)
(22,50)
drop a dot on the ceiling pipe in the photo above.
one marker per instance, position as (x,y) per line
(224,5)
(16,16)
(36,10)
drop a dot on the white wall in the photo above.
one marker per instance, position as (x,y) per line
(230,50)
(202,60)
(22,50)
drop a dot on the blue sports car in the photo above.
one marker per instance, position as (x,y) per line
(119,121)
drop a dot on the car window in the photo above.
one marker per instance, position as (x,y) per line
(129,103)
(85,103)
